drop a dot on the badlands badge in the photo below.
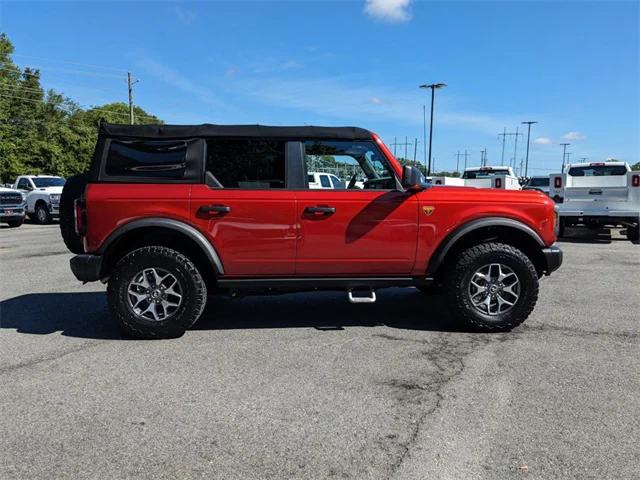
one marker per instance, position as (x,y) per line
(428,210)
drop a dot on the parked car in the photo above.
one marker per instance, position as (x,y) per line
(598,194)
(168,214)
(320,180)
(540,183)
(42,196)
(12,207)
(491,177)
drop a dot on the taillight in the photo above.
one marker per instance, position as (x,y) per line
(635,180)
(79,215)
(498,183)
(557,182)
(558,199)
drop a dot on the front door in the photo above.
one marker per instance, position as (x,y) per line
(367,227)
(244,208)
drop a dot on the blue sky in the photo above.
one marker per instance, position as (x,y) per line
(572,66)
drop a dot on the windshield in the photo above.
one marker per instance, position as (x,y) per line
(485,173)
(539,182)
(598,171)
(48,182)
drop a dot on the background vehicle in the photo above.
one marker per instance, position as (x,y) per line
(42,196)
(491,177)
(170,213)
(598,194)
(540,183)
(12,207)
(319,180)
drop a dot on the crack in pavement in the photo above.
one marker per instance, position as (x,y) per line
(48,358)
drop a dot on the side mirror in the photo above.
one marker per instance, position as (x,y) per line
(412,179)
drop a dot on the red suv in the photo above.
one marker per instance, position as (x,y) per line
(169,214)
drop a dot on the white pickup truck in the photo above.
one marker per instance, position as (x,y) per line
(491,177)
(12,207)
(42,195)
(598,194)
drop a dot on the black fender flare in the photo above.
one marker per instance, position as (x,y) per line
(438,256)
(170,224)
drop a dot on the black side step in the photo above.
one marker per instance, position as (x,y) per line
(323,283)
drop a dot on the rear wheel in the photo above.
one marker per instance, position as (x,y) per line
(156,292)
(633,233)
(561,227)
(491,287)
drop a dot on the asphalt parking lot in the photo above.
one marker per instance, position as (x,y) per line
(310,386)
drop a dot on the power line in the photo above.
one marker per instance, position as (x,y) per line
(71,63)
(65,70)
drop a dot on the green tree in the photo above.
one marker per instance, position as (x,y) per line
(635,166)
(46,132)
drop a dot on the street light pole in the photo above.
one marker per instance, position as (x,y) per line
(433,87)
(526,162)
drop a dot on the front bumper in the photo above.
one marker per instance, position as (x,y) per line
(54,209)
(11,213)
(86,267)
(553,258)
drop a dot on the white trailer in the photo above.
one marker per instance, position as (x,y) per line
(597,194)
(491,177)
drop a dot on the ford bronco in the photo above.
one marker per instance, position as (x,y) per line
(168,214)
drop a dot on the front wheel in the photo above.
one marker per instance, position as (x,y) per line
(15,223)
(42,215)
(633,233)
(156,292)
(491,287)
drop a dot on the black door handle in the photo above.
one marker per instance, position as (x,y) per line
(322,210)
(209,209)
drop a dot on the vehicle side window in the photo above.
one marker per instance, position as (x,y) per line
(23,184)
(147,158)
(247,163)
(357,163)
(324,181)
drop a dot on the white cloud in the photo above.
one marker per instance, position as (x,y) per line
(291,65)
(349,101)
(231,72)
(543,141)
(179,81)
(574,136)
(185,16)
(388,10)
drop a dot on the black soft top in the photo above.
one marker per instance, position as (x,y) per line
(209,130)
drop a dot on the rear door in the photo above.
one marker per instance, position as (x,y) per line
(355,231)
(245,208)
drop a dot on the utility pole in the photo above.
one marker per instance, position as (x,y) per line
(458,155)
(483,158)
(415,151)
(130,84)
(395,142)
(515,150)
(504,138)
(564,154)
(526,163)
(433,88)
(504,135)
(465,159)
(406,142)
(520,171)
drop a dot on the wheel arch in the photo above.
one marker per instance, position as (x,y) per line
(506,230)
(164,232)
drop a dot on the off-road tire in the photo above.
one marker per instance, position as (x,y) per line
(193,288)
(15,223)
(41,214)
(458,273)
(73,189)
(633,233)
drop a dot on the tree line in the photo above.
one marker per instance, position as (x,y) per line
(45,132)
